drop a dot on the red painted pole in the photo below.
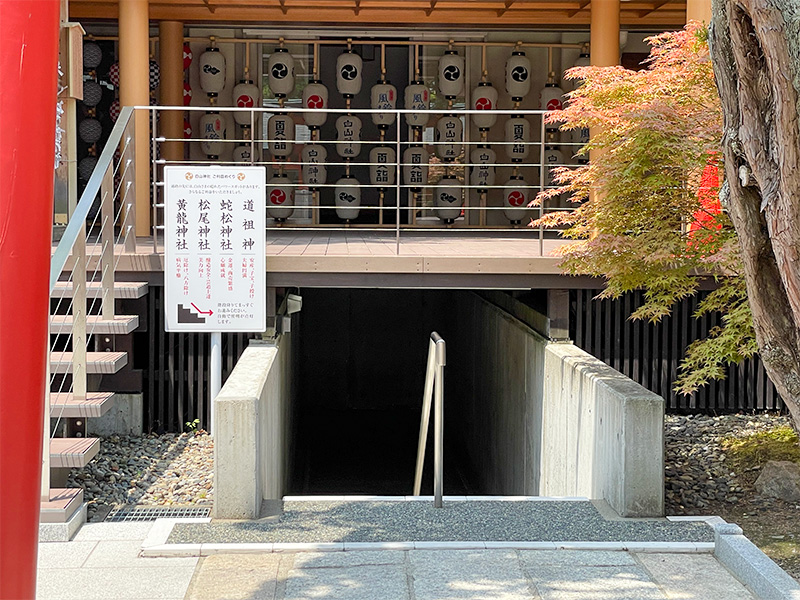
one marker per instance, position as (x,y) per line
(28,71)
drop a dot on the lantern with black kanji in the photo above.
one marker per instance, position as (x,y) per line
(417,97)
(280,133)
(383,98)
(515,199)
(347,197)
(483,174)
(415,167)
(242,154)
(518,138)
(212,71)
(447,199)
(348,73)
(246,94)
(212,132)
(382,168)
(485,100)
(518,75)
(280,71)
(449,137)
(451,74)
(553,157)
(313,157)
(348,136)
(315,96)
(280,197)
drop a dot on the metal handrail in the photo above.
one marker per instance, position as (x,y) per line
(434,393)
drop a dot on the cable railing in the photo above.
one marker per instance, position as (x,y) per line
(401,180)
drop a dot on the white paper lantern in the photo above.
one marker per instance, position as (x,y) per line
(553,157)
(212,71)
(212,131)
(348,73)
(417,97)
(483,172)
(383,98)
(280,70)
(280,132)
(415,167)
(518,137)
(451,74)
(313,157)
(280,197)
(348,135)
(518,75)
(447,199)
(242,154)
(347,197)
(579,137)
(552,95)
(383,170)
(246,94)
(485,99)
(449,135)
(315,96)
(516,197)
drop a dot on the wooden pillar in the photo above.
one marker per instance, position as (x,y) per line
(698,10)
(170,59)
(134,90)
(605,33)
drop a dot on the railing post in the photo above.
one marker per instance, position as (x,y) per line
(427,397)
(398,173)
(438,425)
(107,243)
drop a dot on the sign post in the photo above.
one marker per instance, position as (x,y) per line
(215,263)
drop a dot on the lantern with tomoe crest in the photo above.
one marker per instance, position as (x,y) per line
(449,136)
(246,94)
(348,73)
(518,137)
(212,131)
(348,136)
(382,169)
(212,71)
(347,197)
(417,97)
(315,96)
(280,197)
(383,98)
(451,74)
(415,167)
(483,174)
(313,157)
(280,70)
(552,97)
(518,75)
(280,132)
(485,99)
(447,199)
(515,198)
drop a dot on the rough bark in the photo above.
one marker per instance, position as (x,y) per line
(755,48)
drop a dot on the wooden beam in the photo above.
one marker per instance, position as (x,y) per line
(656,6)
(507,5)
(581,6)
(430,10)
(284,10)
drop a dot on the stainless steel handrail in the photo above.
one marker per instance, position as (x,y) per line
(433,394)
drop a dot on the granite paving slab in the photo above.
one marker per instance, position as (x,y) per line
(367,582)
(368,521)
(594,583)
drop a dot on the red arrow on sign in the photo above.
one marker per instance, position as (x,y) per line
(209,312)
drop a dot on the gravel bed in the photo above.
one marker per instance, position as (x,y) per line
(695,472)
(151,470)
(365,521)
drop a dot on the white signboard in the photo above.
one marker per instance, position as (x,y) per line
(214,271)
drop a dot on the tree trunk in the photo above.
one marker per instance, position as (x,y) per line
(755,48)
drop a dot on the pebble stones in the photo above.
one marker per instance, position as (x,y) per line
(151,470)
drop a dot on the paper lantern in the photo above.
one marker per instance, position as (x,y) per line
(552,96)
(280,133)
(86,167)
(447,199)
(516,197)
(313,157)
(246,94)
(187,129)
(518,137)
(155,75)
(485,99)
(315,96)
(347,197)
(415,167)
(280,70)
(113,110)
(187,93)
(579,137)
(90,130)
(483,159)
(348,73)
(553,157)
(417,97)
(280,197)
(449,135)
(451,74)
(113,74)
(187,55)
(383,98)
(518,75)
(242,154)
(212,131)
(92,93)
(583,60)
(212,71)
(383,167)
(348,134)
(92,55)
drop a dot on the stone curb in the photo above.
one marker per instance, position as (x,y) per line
(430,499)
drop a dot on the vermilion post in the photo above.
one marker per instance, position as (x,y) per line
(28,70)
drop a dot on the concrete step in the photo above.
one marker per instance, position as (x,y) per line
(128,290)
(95,324)
(96,362)
(72,452)
(67,406)
(61,506)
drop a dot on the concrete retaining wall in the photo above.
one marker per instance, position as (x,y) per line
(251,439)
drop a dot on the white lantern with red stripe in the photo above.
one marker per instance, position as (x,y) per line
(447,199)
(212,71)
(280,71)
(516,197)
(518,138)
(348,73)
(280,133)
(313,157)
(246,94)
(212,131)
(315,96)
(483,174)
(485,99)
(348,136)
(449,137)
(518,75)
(347,197)
(383,98)
(383,167)
(552,95)
(417,97)
(415,167)
(451,74)
(280,197)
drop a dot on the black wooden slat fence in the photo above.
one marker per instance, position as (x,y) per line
(650,353)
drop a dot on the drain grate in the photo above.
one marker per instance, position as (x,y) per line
(151,513)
